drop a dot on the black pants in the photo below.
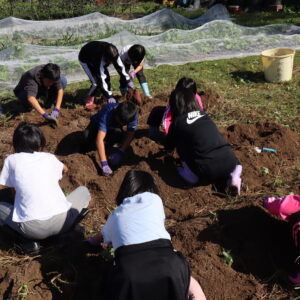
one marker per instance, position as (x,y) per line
(140,76)
(148,271)
(93,74)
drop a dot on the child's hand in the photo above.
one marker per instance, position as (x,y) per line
(55,113)
(50,119)
(132,74)
(106,169)
(130,84)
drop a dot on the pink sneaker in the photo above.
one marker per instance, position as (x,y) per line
(89,103)
(235,181)
(295,280)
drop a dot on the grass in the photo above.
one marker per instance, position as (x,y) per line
(237,83)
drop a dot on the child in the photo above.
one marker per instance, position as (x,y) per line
(288,208)
(162,114)
(146,265)
(134,55)
(95,57)
(42,81)
(206,157)
(40,207)
(110,121)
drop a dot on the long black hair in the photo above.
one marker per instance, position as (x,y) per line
(136,182)
(187,83)
(136,53)
(28,138)
(182,101)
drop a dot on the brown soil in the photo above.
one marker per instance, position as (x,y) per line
(204,224)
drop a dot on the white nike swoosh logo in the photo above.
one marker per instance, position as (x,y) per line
(190,121)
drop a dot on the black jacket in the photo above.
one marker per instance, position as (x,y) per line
(200,144)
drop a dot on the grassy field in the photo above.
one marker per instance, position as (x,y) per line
(238,82)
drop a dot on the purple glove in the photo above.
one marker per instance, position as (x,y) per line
(105,168)
(50,119)
(116,158)
(130,85)
(111,100)
(132,74)
(55,113)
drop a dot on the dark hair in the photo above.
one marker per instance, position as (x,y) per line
(186,83)
(125,112)
(182,101)
(28,138)
(136,53)
(136,182)
(51,71)
(111,53)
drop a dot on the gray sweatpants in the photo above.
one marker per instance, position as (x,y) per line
(41,229)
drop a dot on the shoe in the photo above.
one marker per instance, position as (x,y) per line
(30,247)
(235,181)
(89,103)
(295,279)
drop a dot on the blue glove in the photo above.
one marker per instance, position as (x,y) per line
(116,158)
(50,119)
(111,100)
(132,74)
(130,84)
(55,113)
(105,168)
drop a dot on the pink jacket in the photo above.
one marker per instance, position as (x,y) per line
(167,118)
(283,207)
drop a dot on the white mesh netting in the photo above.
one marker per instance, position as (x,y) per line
(213,40)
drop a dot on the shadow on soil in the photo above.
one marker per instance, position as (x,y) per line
(257,77)
(258,243)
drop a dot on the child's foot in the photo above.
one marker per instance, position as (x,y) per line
(235,181)
(295,279)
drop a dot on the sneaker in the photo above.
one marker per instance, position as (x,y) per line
(30,247)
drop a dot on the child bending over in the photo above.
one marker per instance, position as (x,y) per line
(161,115)
(206,157)
(42,81)
(95,57)
(40,207)
(146,265)
(134,55)
(108,123)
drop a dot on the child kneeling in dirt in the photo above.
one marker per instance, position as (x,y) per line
(146,265)
(134,55)
(288,208)
(109,122)
(42,81)
(205,156)
(161,115)
(40,207)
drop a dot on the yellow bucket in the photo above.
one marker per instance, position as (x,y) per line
(278,64)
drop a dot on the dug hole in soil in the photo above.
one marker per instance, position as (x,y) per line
(235,248)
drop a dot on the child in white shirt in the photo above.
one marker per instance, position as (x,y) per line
(40,207)
(146,265)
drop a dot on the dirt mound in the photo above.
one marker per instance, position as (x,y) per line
(205,226)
